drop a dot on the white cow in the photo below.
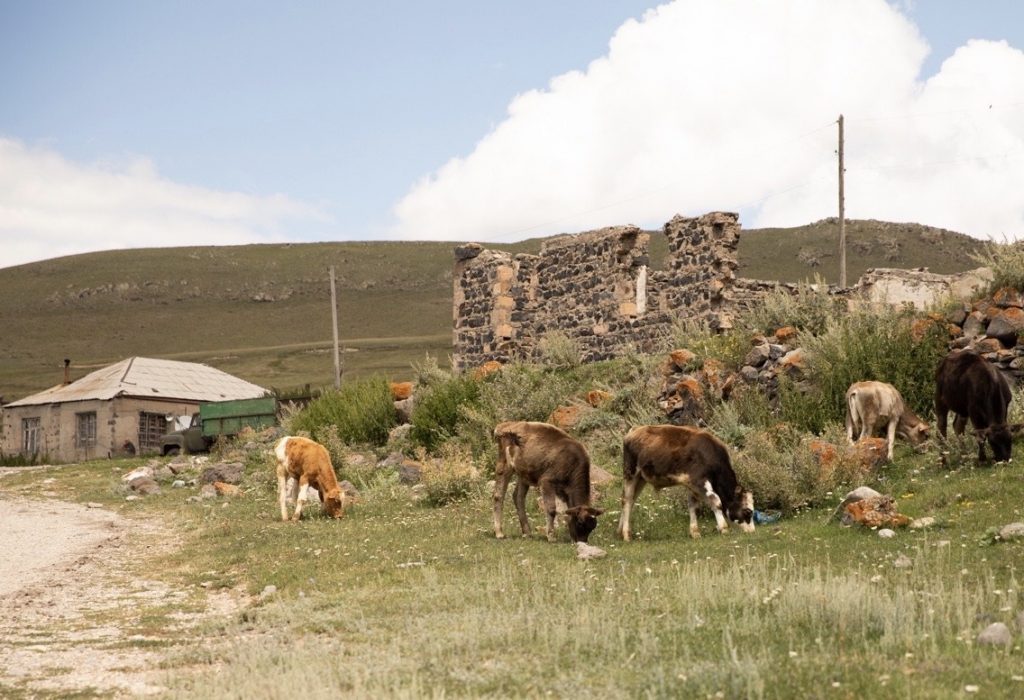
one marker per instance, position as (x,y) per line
(871,405)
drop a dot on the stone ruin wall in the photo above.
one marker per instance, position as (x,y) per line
(598,289)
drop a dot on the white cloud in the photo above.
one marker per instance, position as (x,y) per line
(731,104)
(50,206)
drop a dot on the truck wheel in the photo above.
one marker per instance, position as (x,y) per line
(172,452)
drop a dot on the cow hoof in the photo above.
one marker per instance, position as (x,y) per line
(499,535)
(695,534)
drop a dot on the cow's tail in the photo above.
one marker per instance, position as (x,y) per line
(851,409)
(629,459)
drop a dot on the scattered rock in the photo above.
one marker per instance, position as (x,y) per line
(565,417)
(349,489)
(859,493)
(400,391)
(144,485)
(886,534)
(1013,531)
(178,484)
(208,491)
(598,398)
(996,634)
(404,409)
(586,551)
(410,472)
(903,562)
(875,511)
(228,472)
(600,477)
(922,523)
(267,592)
(140,472)
(224,489)
(399,434)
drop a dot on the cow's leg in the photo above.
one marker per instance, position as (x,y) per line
(891,434)
(959,423)
(630,490)
(303,495)
(982,434)
(282,494)
(550,499)
(519,497)
(501,480)
(693,502)
(941,415)
(716,506)
(850,422)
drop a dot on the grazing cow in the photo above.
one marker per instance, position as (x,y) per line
(303,464)
(870,405)
(541,455)
(972,388)
(671,455)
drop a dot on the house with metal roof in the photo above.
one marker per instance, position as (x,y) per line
(124,408)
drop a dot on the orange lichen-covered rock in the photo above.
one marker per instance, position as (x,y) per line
(870,452)
(400,391)
(786,334)
(681,358)
(597,397)
(825,453)
(1007,297)
(565,417)
(486,369)
(876,511)
(225,489)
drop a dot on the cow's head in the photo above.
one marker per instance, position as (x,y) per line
(334,502)
(582,521)
(741,510)
(1001,440)
(918,434)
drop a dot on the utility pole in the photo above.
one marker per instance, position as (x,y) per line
(842,212)
(334,319)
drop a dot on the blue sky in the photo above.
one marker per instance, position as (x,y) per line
(146,123)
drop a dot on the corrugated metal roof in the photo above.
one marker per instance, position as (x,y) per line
(144,377)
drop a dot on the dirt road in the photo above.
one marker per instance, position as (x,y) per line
(63,593)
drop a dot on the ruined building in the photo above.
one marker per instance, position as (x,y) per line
(598,289)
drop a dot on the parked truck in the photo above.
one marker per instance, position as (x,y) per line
(220,418)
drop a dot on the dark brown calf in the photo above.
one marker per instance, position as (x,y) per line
(670,455)
(541,455)
(972,388)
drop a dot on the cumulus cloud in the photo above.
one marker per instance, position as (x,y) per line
(729,104)
(50,206)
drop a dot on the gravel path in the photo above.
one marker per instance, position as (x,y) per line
(63,597)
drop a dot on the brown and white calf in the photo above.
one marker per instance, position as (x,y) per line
(671,455)
(872,405)
(541,455)
(303,464)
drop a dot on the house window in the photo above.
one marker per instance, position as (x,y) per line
(31,429)
(152,427)
(85,429)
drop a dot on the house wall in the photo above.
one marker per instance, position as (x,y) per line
(117,421)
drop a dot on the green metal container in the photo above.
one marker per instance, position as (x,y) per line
(229,417)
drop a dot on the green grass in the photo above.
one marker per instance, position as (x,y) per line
(197,304)
(402,600)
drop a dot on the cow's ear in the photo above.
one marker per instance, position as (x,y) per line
(595,511)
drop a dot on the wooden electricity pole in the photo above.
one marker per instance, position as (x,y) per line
(842,212)
(334,319)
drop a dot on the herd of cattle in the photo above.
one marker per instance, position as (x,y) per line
(547,458)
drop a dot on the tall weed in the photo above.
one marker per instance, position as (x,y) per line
(438,409)
(1006,260)
(808,307)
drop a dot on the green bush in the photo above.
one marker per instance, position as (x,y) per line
(360,412)
(809,308)
(1006,260)
(438,408)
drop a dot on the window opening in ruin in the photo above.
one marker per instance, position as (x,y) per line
(30,431)
(85,429)
(152,427)
(641,290)
(657,251)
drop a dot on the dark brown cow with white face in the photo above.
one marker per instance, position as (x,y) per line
(972,388)
(671,455)
(541,455)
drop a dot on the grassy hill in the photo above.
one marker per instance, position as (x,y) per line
(262,312)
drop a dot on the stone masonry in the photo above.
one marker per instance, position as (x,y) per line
(598,289)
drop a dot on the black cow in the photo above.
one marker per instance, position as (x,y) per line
(671,455)
(972,388)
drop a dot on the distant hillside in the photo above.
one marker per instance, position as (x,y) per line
(262,312)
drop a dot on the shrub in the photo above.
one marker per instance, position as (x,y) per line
(1006,260)
(559,350)
(808,307)
(449,478)
(360,412)
(437,409)
(702,341)
(786,469)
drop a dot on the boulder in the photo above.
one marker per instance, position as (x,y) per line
(137,473)
(468,251)
(565,417)
(600,477)
(410,472)
(404,409)
(871,452)
(1006,325)
(598,398)
(757,356)
(974,325)
(681,359)
(996,634)
(786,334)
(1008,297)
(875,511)
(224,489)
(349,489)
(1013,531)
